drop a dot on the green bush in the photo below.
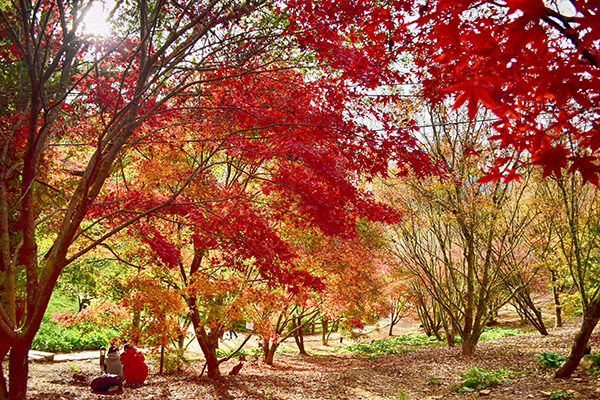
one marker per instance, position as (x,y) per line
(494,332)
(480,378)
(56,338)
(497,332)
(594,369)
(254,351)
(559,394)
(388,346)
(550,359)
(413,339)
(173,360)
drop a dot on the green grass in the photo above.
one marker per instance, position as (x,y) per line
(59,303)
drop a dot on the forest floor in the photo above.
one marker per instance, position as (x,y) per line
(423,372)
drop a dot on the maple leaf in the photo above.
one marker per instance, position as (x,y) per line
(552,159)
(587,166)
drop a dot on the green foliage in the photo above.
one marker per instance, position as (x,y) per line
(594,370)
(480,378)
(550,359)
(173,359)
(494,332)
(559,394)
(54,337)
(434,381)
(254,351)
(497,332)
(388,346)
(413,339)
(571,305)
(402,396)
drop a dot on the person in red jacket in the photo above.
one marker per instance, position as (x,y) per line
(134,367)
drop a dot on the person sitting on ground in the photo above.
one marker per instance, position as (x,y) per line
(134,367)
(112,364)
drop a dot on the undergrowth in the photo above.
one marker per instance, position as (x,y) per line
(57,338)
(481,378)
(388,346)
(397,345)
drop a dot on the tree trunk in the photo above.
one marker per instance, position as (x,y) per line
(393,321)
(590,320)
(209,342)
(18,369)
(209,345)
(137,320)
(558,322)
(212,364)
(270,349)
(469,343)
(4,348)
(449,334)
(324,332)
(299,337)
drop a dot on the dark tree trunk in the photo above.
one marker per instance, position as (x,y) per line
(578,350)
(393,322)
(299,337)
(449,334)
(18,367)
(529,312)
(212,364)
(4,347)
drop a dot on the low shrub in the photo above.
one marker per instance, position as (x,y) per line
(594,369)
(173,359)
(550,359)
(254,351)
(56,338)
(480,378)
(388,346)
(559,394)
(497,332)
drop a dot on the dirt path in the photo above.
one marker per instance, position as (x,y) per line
(421,373)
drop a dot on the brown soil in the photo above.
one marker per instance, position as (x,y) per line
(331,375)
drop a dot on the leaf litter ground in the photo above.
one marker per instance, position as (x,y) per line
(424,372)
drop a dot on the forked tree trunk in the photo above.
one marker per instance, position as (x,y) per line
(558,322)
(209,342)
(270,349)
(299,337)
(590,320)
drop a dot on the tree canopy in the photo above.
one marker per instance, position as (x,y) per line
(222,126)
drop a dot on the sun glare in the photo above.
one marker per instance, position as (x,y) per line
(95,20)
